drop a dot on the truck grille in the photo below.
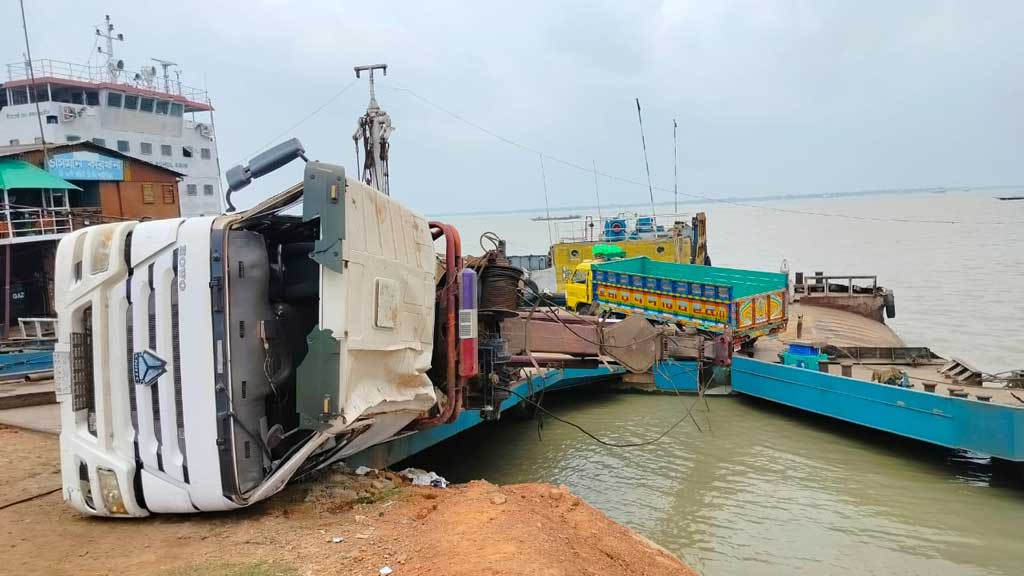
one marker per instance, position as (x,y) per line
(83,393)
(154,325)
(132,402)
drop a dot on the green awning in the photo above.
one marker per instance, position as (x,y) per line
(21,174)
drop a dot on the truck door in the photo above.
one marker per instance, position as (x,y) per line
(577,291)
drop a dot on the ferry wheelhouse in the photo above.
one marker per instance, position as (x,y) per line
(156,119)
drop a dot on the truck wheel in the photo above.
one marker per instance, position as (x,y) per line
(747,347)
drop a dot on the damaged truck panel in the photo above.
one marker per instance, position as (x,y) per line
(384,304)
(203,362)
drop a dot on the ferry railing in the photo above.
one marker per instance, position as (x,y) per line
(26,222)
(590,229)
(23,222)
(84,73)
(821,284)
(55,69)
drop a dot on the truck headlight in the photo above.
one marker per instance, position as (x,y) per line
(110,491)
(100,252)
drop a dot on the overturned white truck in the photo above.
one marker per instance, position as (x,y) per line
(203,362)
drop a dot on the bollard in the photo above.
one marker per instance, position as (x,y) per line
(799,326)
(983,397)
(847,367)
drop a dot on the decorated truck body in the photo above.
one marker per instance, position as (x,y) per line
(748,303)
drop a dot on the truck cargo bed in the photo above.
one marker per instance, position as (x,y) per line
(750,303)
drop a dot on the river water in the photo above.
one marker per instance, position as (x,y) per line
(759,489)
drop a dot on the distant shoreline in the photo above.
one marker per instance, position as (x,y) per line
(770,198)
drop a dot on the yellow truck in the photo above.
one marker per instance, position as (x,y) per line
(579,288)
(746,303)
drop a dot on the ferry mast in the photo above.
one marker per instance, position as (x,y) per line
(372,134)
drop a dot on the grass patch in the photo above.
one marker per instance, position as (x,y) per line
(221,568)
(381,496)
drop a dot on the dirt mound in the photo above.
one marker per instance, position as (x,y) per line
(339,523)
(529,529)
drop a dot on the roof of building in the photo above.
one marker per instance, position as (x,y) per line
(21,174)
(8,151)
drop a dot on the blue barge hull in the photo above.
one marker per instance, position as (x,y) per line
(991,429)
(25,361)
(386,454)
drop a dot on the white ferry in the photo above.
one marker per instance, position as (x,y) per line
(145,114)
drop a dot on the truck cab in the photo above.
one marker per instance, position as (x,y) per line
(203,362)
(579,289)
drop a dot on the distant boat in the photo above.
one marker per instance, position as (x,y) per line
(547,218)
(1010,197)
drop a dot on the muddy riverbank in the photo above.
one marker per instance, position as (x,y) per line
(337,524)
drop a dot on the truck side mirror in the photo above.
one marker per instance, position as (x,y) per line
(262,164)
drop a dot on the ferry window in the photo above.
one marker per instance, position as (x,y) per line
(77,98)
(207,189)
(191,190)
(3,98)
(147,193)
(19,96)
(146,105)
(51,119)
(92,98)
(176,109)
(186,151)
(204,153)
(168,193)
(15,141)
(114,99)
(99,141)
(61,93)
(161,106)
(73,138)
(123,146)
(131,102)
(165,149)
(145,148)
(40,94)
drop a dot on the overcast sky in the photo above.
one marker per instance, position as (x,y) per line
(788,97)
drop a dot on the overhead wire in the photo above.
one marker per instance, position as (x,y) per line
(551,310)
(304,119)
(632,182)
(551,313)
(593,436)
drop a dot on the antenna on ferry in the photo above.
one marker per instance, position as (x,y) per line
(165,64)
(675,166)
(114,67)
(374,129)
(647,165)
